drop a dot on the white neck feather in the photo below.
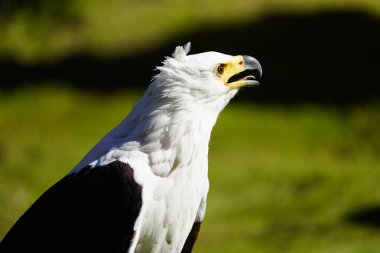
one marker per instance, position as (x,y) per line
(167,134)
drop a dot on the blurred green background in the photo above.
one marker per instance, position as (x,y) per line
(294,164)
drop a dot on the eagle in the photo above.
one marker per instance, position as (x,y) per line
(143,187)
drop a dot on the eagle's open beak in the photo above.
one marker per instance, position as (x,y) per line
(247,74)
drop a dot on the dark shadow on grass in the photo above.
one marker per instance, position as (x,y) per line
(368,216)
(330,57)
(51,8)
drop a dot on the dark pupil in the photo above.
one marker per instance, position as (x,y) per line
(220,69)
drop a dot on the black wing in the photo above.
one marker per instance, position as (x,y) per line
(192,237)
(91,211)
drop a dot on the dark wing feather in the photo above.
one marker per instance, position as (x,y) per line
(91,211)
(192,237)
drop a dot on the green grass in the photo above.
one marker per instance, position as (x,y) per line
(105,28)
(283,178)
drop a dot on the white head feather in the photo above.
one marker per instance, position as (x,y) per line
(180,52)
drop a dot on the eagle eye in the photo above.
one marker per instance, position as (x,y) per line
(220,69)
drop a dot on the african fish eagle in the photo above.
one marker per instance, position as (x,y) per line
(143,187)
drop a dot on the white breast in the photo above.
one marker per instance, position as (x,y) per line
(170,207)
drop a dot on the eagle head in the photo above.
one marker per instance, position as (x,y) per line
(205,78)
